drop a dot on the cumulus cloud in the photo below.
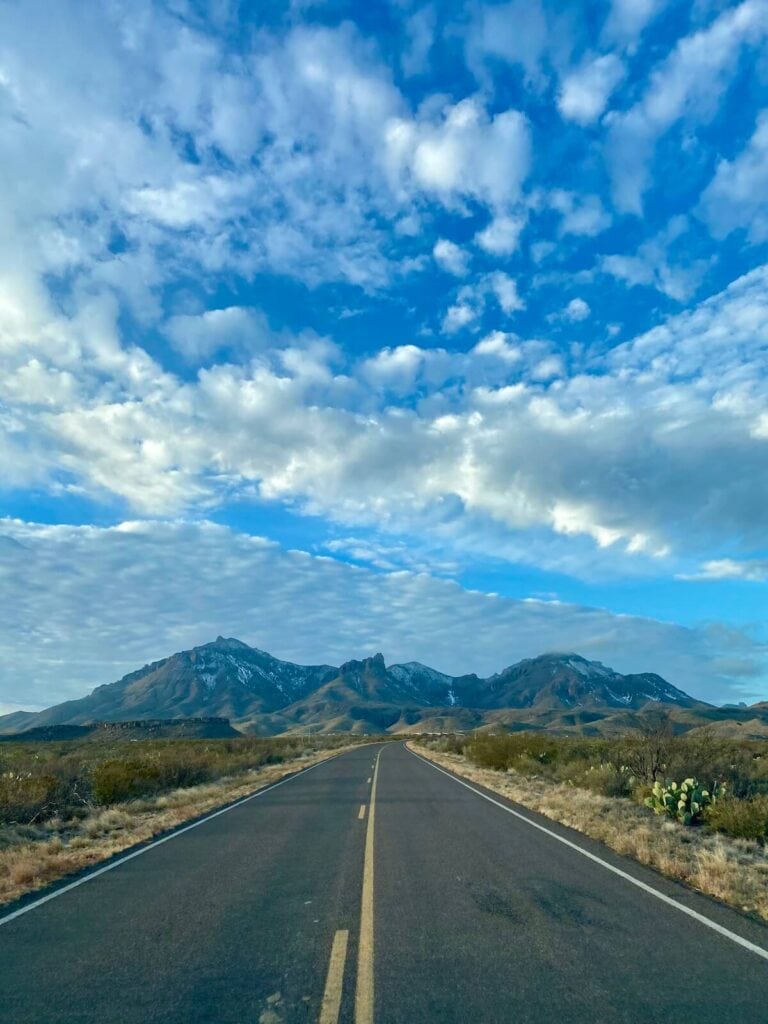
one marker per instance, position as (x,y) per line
(502,235)
(451,257)
(77,611)
(234,329)
(463,152)
(576,310)
(586,90)
(581,214)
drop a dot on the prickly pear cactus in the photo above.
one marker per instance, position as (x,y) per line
(685,802)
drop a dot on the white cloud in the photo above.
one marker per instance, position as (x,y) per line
(515,32)
(627,19)
(451,257)
(581,214)
(755,570)
(576,310)
(420,29)
(236,329)
(206,580)
(687,84)
(667,429)
(586,90)
(500,345)
(502,235)
(505,289)
(737,196)
(652,264)
(467,308)
(462,153)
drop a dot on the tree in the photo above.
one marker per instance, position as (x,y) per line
(647,750)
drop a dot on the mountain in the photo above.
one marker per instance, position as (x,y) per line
(570,681)
(227,679)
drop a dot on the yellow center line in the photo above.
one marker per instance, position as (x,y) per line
(329,1011)
(364,990)
(361,812)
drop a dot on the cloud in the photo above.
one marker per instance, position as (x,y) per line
(451,257)
(150,167)
(502,235)
(581,214)
(664,430)
(654,266)
(505,289)
(585,91)
(736,196)
(754,570)
(576,310)
(234,329)
(687,84)
(627,19)
(471,301)
(79,609)
(420,30)
(462,153)
(515,32)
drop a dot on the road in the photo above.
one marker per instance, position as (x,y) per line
(375,889)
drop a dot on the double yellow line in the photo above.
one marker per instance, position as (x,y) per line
(334,984)
(364,990)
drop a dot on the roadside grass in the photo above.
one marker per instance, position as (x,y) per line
(80,833)
(732,869)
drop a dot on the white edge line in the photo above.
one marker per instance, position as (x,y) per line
(157,842)
(751,946)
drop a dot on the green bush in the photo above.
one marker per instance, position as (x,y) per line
(607,780)
(526,752)
(25,797)
(743,819)
(113,782)
(41,779)
(686,802)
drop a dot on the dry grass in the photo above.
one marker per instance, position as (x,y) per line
(33,856)
(732,870)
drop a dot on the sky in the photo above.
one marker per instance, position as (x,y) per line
(436,329)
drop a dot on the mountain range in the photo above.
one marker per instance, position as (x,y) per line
(228,679)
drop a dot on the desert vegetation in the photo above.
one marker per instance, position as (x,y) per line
(693,806)
(66,805)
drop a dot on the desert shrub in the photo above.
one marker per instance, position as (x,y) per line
(25,797)
(454,743)
(607,780)
(113,782)
(526,752)
(39,780)
(686,802)
(744,819)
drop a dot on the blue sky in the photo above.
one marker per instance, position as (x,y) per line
(446,323)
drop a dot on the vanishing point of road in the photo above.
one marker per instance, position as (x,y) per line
(374,888)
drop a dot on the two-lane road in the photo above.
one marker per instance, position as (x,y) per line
(383,894)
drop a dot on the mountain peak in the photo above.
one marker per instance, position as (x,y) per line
(230,679)
(375,662)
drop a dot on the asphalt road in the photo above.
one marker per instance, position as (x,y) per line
(408,898)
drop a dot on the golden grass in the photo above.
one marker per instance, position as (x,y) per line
(732,870)
(32,857)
